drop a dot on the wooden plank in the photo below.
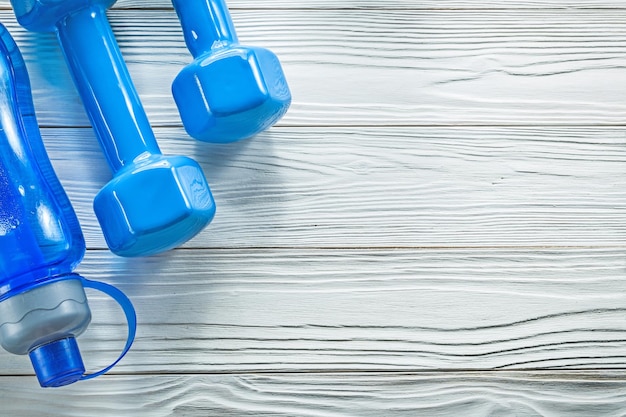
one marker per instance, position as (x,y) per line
(373,67)
(387,4)
(353,310)
(322,395)
(384,187)
(344,212)
(393,4)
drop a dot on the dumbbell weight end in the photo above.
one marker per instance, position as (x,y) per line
(230,91)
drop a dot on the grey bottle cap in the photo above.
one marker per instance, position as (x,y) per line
(42,315)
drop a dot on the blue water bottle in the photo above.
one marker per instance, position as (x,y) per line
(43,306)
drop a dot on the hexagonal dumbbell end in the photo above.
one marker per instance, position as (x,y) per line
(154,205)
(230,92)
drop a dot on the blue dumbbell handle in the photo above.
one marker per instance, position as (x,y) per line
(105,86)
(205,23)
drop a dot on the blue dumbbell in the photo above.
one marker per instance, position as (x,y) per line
(154,202)
(229,92)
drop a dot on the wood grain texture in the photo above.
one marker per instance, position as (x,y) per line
(377,4)
(323,395)
(388,187)
(349,310)
(372,67)
(435,228)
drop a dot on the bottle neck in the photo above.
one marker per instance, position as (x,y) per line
(58,363)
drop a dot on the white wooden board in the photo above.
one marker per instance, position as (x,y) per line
(435,228)
(377,4)
(389,187)
(349,310)
(324,395)
(391,67)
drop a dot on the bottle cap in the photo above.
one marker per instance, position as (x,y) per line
(58,363)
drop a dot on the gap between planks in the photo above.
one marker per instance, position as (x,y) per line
(592,374)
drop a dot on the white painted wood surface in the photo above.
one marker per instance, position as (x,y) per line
(437,395)
(435,228)
(383,67)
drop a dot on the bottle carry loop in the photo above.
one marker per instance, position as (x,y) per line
(129,312)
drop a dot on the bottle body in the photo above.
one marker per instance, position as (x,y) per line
(36,240)
(40,236)
(43,306)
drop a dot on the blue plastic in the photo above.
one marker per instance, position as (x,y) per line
(154,202)
(40,238)
(229,92)
(58,363)
(131,320)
